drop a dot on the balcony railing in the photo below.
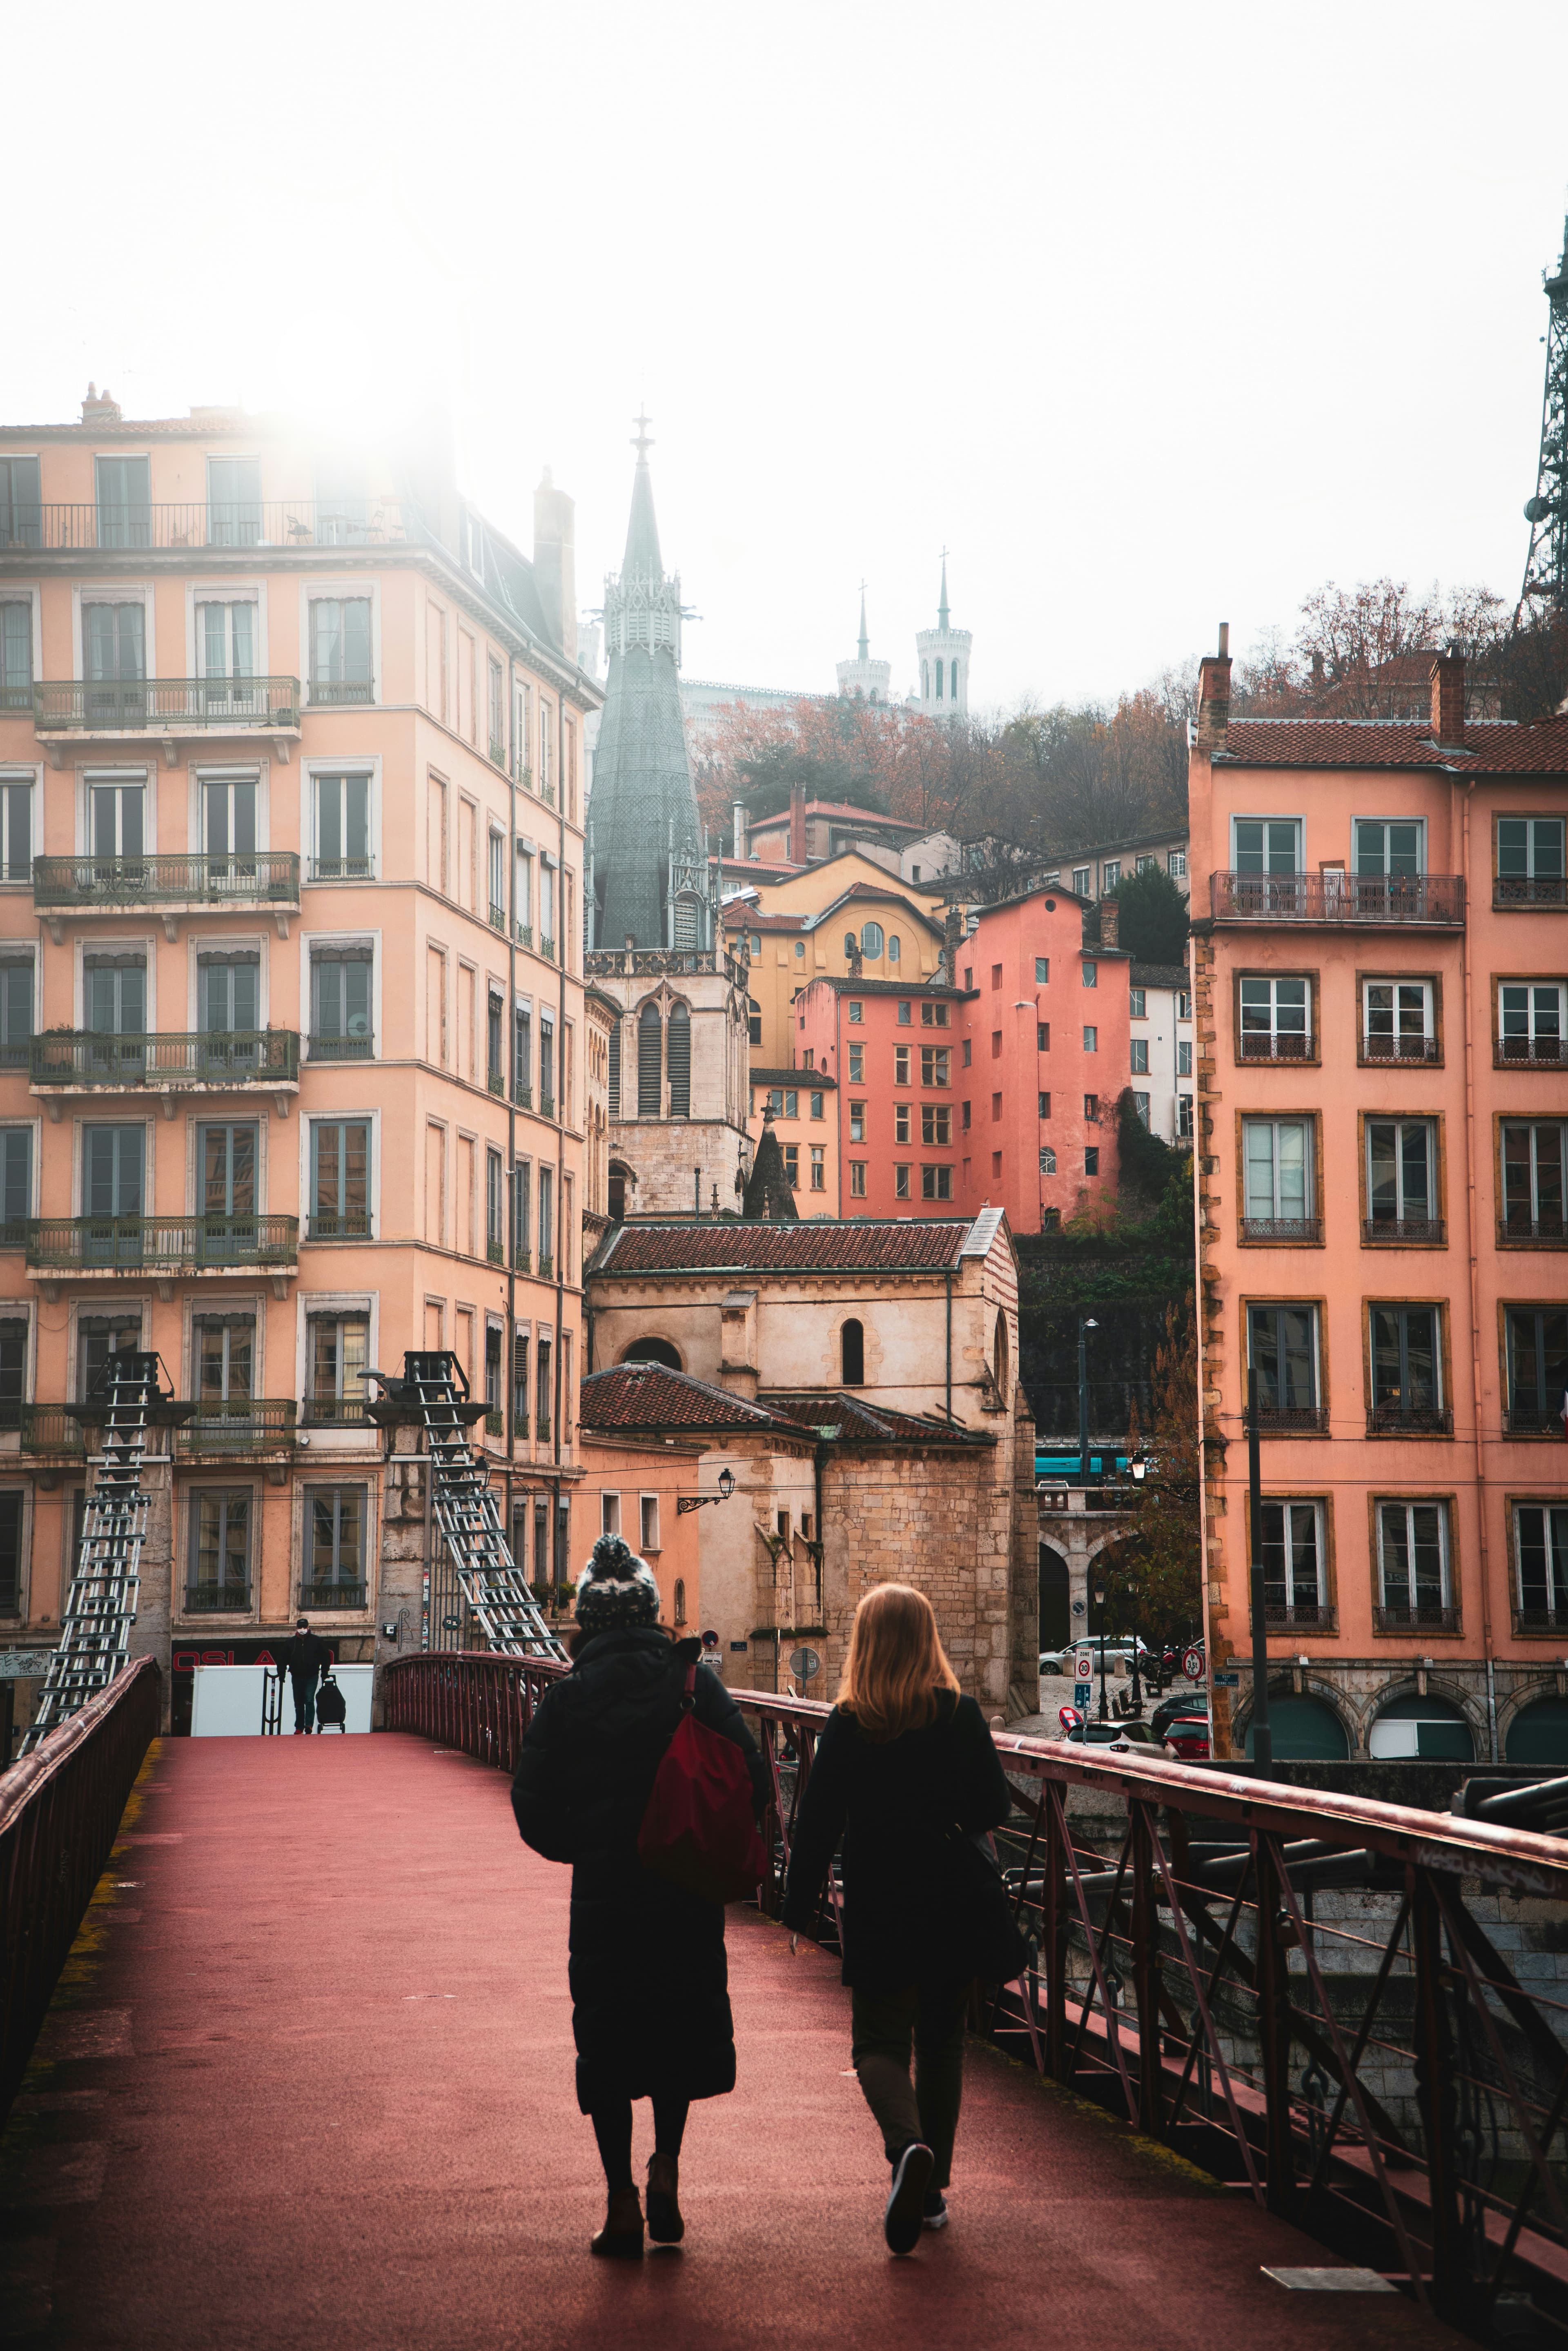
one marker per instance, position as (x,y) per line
(1422,1618)
(522,1259)
(1529,1052)
(1298,1617)
(1534,890)
(1539,1418)
(496,1252)
(1541,1619)
(497,1081)
(340,1225)
(342,868)
(1531,1228)
(259,878)
(545,1266)
(1281,1229)
(167,1244)
(1409,1420)
(497,754)
(239,1424)
(525,935)
(494,1423)
(1254,1045)
(333,1412)
(546,1105)
(547,793)
(523,1096)
(217,1600)
(1388,1050)
(1405,1230)
(660,963)
(547,948)
(228,1057)
(50,1428)
(342,1048)
(499,919)
(341,693)
(1373,898)
(115,705)
(332,1595)
(225,522)
(1292,1420)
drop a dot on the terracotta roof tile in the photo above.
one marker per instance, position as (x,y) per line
(650,1395)
(858,1423)
(1491,747)
(817,1245)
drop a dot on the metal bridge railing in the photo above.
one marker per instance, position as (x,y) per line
(60,1809)
(1354,2011)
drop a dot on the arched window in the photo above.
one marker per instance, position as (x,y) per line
(892,944)
(680,1600)
(852,945)
(753,1020)
(925,681)
(650,1061)
(678,1057)
(871,941)
(999,1356)
(938,681)
(955,682)
(617,1193)
(615,1071)
(852,1344)
(1432,1728)
(653,1350)
(1539,1734)
(1304,1729)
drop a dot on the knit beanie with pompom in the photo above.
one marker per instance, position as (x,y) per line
(616,1589)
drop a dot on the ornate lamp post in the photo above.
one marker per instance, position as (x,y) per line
(1100,1604)
(685,1503)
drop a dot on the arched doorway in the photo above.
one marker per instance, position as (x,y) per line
(1304,1731)
(1055,1600)
(653,1350)
(1539,1734)
(1430,1729)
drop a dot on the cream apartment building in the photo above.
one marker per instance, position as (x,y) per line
(292,1026)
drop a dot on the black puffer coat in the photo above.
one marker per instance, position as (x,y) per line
(648,1985)
(908,1910)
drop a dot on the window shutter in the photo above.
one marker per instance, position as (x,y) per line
(650,1054)
(615,1069)
(680,1061)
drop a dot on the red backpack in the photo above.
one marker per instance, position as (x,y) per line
(699,1830)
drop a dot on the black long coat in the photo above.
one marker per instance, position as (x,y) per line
(906,1915)
(649,1983)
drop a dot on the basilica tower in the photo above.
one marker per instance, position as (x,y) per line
(863,679)
(943,654)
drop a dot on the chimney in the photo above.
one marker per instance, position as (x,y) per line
(1448,699)
(1110,922)
(796,824)
(555,562)
(1213,695)
(95,411)
(740,828)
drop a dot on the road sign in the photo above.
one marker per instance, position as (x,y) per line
(1081,1693)
(804,1663)
(1192,1664)
(1227,1681)
(1082,1666)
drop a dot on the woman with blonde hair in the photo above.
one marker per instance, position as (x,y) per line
(905,1773)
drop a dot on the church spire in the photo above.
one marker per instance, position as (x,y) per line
(864,638)
(942,607)
(641,559)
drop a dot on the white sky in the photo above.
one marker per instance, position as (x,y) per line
(1154,314)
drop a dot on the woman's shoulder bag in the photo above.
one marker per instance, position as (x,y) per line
(699,1830)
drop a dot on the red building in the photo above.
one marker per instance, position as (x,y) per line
(1000,1091)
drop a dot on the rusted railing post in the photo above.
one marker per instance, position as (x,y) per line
(1146,1972)
(1437,2096)
(1053,1948)
(1273,1984)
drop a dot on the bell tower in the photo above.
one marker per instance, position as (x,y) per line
(943,652)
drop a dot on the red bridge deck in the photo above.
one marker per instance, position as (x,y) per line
(308,2082)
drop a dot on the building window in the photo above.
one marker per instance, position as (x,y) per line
(21,512)
(1531,1023)
(340,649)
(649,1513)
(870,942)
(1390,849)
(339,1179)
(901,1065)
(996,1044)
(966,1053)
(226,648)
(934,1060)
(1540,1562)
(1090,1041)
(1047,1160)
(1042,1036)
(936,1182)
(1413,1565)
(650,1050)
(609,1514)
(342,829)
(16,827)
(1292,1564)
(901,1112)
(124,502)
(1091,1109)
(339,1351)
(1091,975)
(800,950)
(857,1065)
(904,1014)
(785,1103)
(1537,1369)
(1278,1198)
(753,1021)
(1266,844)
(1275,1020)
(1145,864)
(1138,1004)
(793,1165)
(1110,874)
(1042,970)
(1396,1020)
(1184,1004)
(224,1348)
(13,1369)
(1044,1106)
(851,1346)
(1140,1051)
(680,1600)
(1177,863)
(964,1117)
(498,708)
(1406,1368)
(1402,1180)
(901,1180)
(937,1122)
(1184,1116)
(340,1004)
(334,1574)
(523,1055)
(1183,1059)
(1534,1180)
(857,1012)
(494,1208)
(857,1179)
(99,1336)
(818,1168)
(1082,877)
(1141,1104)
(817,1101)
(113,1158)
(15,1009)
(857,1122)
(1091,1160)
(220,1551)
(522,1212)
(1530,860)
(1282,1349)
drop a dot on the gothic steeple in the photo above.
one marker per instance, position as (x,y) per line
(942,600)
(862,679)
(649,877)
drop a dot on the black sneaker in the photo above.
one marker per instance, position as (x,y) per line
(936,2214)
(905,2217)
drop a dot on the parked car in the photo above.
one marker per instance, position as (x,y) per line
(1166,1713)
(1056,1661)
(1113,1734)
(1188,1738)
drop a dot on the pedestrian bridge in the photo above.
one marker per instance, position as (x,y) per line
(306,2077)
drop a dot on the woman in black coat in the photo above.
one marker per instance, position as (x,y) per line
(650,2003)
(905,1771)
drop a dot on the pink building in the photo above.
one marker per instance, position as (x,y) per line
(999,1091)
(1381,996)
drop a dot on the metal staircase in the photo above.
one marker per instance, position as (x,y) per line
(433,1393)
(100,1609)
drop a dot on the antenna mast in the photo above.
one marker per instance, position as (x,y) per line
(1545,588)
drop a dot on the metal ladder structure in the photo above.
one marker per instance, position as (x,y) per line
(433,1393)
(100,1609)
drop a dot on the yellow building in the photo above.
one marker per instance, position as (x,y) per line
(844,918)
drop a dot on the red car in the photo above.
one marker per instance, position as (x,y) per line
(1187,1738)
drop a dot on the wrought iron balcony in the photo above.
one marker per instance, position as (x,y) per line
(342,868)
(333,1412)
(239,1424)
(1422,1618)
(1513,1228)
(496,1252)
(1281,1229)
(546,947)
(332,1595)
(1292,1420)
(50,1428)
(217,1600)
(545,1266)
(1383,1051)
(87,884)
(1541,1619)
(1402,1231)
(222,522)
(494,1423)
(1253,1045)
(1534,890)
(547,793)
(525,935)
(1535,1416)
(225,1059)
(342,1048)
(499,919)
(340,1225)
(160,1244)
(341,693)
(138,705)
(1409,1420)
(1529,1052)
(1378,899)
(546,1105)
(1298,1616)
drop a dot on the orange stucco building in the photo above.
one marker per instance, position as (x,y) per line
(1381,981)
(292,1065)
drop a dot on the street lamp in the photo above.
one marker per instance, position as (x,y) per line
(1086,1324)
(1137,1685)
(685,1503)
(1100,1604)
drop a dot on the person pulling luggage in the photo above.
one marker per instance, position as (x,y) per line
(304,1659)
